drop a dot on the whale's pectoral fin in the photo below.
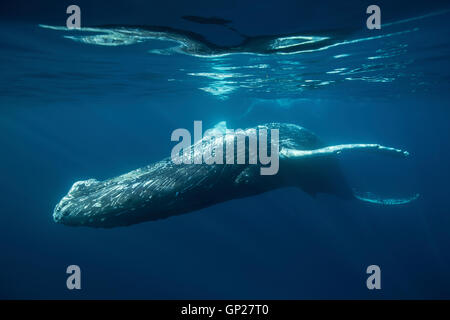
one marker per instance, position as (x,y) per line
(342,148)
(338,149)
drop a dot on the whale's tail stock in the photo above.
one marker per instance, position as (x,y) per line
(336,150)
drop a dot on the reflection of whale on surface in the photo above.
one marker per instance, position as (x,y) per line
(165,189)
(195,44)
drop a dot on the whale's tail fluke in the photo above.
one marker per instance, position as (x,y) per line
(376,199)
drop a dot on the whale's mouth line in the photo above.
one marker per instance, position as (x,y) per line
(369,197)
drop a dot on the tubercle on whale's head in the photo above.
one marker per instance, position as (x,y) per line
(61,213)
(102,204)
(69,211)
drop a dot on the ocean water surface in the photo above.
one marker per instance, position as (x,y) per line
(104,100)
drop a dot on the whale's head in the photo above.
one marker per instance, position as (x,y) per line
(113,202)
(76,208)
(93,203)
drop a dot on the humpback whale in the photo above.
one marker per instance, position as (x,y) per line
(164,189)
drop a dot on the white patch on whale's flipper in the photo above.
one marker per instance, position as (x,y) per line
(338,149)
(373,198)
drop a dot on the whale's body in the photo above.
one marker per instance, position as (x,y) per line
(164,189)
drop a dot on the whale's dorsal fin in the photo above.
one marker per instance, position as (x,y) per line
(219,129)
(221,126)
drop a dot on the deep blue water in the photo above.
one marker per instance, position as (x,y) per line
(71,111)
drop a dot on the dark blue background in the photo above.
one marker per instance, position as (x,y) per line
(71,112)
